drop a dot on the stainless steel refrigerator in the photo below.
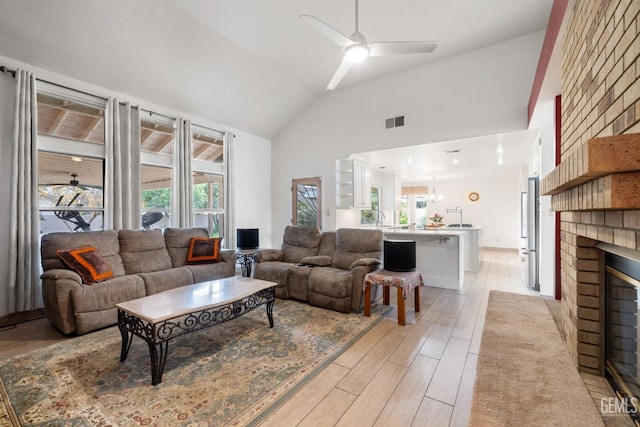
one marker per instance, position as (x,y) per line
(533,234)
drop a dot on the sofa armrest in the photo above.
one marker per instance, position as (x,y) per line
(228,255)
(317,260)
(57,288)
(265,255)
(359,271)
(365,262)
(59,273)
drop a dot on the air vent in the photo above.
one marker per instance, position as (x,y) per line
(394,122)
(389,123)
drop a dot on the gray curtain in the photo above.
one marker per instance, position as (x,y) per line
(122,163)
(181,198)
(229,205)
(25,292)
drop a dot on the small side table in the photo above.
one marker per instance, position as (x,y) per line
(408,281)
(246,258)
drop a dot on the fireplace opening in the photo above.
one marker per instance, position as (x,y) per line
(622,339)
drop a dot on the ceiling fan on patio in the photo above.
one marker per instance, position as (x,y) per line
(73,182)
(357,49)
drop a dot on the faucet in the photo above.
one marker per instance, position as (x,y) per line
(456,210)
(379,222)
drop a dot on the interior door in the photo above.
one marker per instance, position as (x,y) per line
(306,202)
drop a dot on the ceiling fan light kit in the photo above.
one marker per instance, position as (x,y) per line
(356,53)
(357,49)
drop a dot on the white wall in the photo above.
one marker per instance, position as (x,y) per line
(497,210)
(251,163)
(477,93)
(253,186)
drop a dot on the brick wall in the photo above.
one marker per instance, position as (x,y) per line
(600,76)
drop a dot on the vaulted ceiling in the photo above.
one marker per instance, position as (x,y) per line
(247,64)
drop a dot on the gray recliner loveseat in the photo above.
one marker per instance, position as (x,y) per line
(325,269)
(144,262)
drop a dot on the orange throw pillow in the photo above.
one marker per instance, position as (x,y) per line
(203,250)
(88,263)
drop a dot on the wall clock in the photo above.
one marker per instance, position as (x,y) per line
(473,196)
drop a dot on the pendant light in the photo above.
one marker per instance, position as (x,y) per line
(434,197)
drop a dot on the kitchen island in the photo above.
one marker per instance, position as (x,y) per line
(442,254)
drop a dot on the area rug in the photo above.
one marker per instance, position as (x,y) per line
(234,373)
(524,375)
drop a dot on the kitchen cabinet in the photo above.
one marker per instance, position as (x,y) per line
(353,184)
(439,255)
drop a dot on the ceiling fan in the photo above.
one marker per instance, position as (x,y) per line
(357,49)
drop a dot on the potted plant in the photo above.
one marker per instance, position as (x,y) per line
(436,220)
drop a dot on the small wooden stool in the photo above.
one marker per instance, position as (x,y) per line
(409,280)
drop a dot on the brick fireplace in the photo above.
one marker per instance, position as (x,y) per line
(596,186)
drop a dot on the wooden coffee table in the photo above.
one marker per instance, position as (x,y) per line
(161,317)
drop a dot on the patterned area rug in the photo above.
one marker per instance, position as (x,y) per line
(235,373)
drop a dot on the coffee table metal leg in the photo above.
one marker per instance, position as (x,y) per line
(158,354)
(127,337)
(270,312)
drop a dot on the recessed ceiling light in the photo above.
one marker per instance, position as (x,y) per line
(455,160)
(500,149)
(500,161)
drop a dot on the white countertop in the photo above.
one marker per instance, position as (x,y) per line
(442,231)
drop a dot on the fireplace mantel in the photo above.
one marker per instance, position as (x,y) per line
(602,174)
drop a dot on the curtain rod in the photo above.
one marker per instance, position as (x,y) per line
(4,69)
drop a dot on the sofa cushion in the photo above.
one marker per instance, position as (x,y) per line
(177,241)
(106,243)
(353,244)
(327,244)
(330,288)
(88,263)
(298,281)
(203,250)
(143,251)
(160,281)
(206,272)
(105,295)
(300,242)
(274,271)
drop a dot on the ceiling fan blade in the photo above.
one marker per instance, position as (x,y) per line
(400,48)
(327,30)
(340,73)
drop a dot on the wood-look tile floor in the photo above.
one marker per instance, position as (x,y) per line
(415,375)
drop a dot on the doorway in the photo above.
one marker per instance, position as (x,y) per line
(306,203)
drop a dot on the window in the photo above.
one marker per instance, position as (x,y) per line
(208,203)
(70,160)
(207,166)
(306,202)
(156,152)
(404,209)
(70,201)
(373,215)
(65,117)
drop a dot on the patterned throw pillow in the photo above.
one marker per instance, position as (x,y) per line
(87,262)
(203,250)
